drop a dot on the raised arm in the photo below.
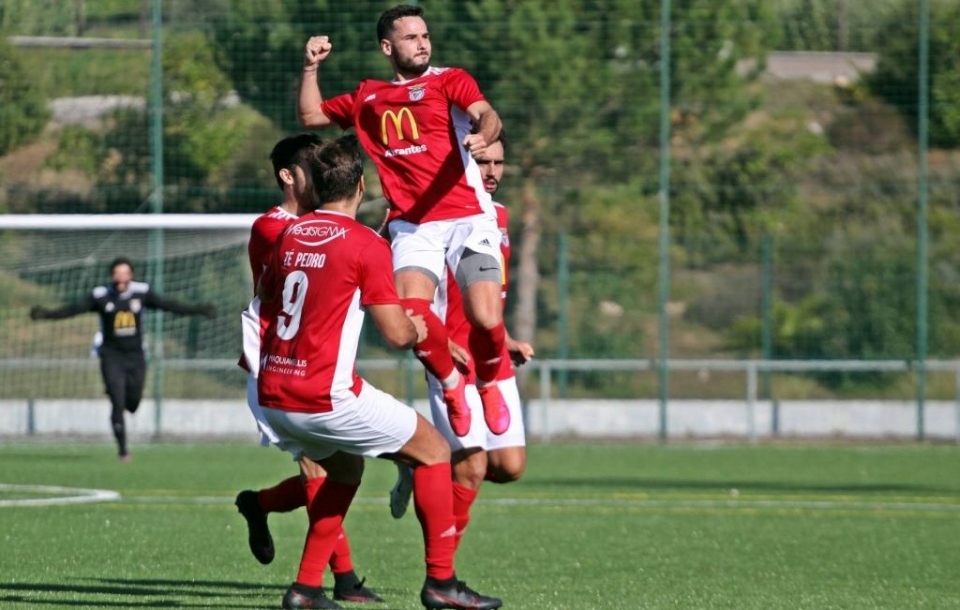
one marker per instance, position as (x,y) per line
(400,330)
(309,98)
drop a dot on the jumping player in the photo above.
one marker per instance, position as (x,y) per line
(479,455)
(292,172)
(327,272)
(423,131)
(123,365)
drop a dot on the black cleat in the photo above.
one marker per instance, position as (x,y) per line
(456,595)
(302,596)
(349,588)
(261,542)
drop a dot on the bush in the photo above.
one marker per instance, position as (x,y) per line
(23,111)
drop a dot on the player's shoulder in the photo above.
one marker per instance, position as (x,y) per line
(273,216)
(138,288)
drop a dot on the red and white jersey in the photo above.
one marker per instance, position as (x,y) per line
(264,233)
(414,131)
(263,238)
(449,301)
(327,268)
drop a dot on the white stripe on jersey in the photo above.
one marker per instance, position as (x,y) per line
(462,126)
(342,381)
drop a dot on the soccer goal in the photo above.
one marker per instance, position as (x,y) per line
(52,260)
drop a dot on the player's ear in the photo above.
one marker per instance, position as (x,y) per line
(286,176)
(386,46)
(361,188)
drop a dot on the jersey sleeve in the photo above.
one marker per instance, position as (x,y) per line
(84,305)
(461,88)
(376,279)
(339,109)
(152,300)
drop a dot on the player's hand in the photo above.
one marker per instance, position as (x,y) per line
(418,324)
(37,313)
(460,356)
(209,310)
(475,144)
(520,351)
(316,51)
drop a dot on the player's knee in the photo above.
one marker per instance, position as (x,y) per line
(470,467)
(506,469)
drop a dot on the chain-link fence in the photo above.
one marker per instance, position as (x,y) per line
(812,161)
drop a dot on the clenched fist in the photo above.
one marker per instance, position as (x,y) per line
(316,50)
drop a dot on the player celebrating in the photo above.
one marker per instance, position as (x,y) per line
(292,172)
(423,131)
(329,270)
(123,365)
(479,455)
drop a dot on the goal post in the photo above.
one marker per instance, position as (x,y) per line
(54,259)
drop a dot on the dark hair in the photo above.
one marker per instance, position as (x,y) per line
(290,151)
(336,168)
(385,25)
(120,260)
(502,138)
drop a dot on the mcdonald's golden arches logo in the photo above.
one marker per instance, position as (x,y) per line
(396,119)
(124,320)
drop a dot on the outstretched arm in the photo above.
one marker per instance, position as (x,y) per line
(155,301)
(309,98)
(38,312)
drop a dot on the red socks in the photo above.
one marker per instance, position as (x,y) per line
(340,561)
(327,504)
(285,496)
(486,347)
(463,498)
(433,502)
(433,352)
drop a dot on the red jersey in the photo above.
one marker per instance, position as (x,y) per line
(327,267)
(263,239)
(455,319)
(414,131)
(264,233)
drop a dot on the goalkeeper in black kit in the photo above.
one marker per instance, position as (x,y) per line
(120,305)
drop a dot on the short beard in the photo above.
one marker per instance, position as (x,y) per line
(409,67)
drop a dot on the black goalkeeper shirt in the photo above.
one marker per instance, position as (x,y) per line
(121,313)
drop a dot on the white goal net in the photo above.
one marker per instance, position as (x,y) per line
(58,259)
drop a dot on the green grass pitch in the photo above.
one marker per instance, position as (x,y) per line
(591,526)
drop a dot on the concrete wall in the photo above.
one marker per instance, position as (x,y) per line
(578,418)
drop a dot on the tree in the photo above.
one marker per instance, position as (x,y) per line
(897,75)
(23,111)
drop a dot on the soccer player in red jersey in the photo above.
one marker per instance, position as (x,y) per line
(479,455)
(327,272)
(424,130)
(292,172)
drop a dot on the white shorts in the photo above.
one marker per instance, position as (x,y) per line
(437,244)
(370,425)
(479,435)
(267,434)
(250,331)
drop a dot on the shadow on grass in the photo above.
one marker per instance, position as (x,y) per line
(635,484)
(163,593)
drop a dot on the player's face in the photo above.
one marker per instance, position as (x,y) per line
(122,276)
(491,167)
(409,46)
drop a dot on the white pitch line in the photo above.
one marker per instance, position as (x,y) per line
(813,505)
(73,495)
